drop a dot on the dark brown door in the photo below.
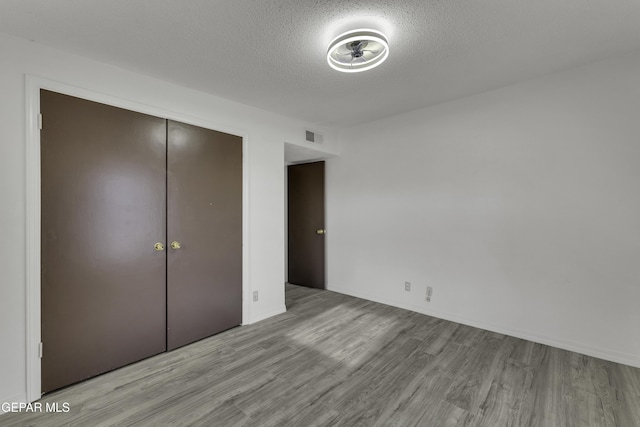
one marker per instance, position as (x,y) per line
(306,224)
(103,209)
(204,276)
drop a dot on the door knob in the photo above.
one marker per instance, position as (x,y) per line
(321,231)
(175,245)
(158,247)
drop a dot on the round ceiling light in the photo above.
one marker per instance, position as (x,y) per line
(358,50)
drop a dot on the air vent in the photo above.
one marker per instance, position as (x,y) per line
(311,137)
(314,137)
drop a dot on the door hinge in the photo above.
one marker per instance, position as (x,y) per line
(40,350)
(40,121)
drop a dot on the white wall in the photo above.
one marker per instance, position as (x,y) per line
(264,160)
(520,207)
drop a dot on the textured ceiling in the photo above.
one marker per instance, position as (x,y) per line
(271,53)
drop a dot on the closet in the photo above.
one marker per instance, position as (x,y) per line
(141,236)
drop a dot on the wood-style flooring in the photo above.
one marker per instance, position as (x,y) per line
(335,360)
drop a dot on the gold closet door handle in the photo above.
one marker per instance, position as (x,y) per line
(175,245)
(158,247)
(321,231)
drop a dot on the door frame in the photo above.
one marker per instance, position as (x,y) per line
(33,84)
(324,213)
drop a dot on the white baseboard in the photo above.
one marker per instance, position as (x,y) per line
(21,398)
(265,315)
(601,353)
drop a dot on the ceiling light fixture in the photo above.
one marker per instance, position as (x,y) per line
(358,50)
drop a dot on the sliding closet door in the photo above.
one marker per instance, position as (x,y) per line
(103,209)
(204,232)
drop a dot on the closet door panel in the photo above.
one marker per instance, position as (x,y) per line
(103,209)
(204,274)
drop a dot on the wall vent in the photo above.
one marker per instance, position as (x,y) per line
(311,137)
(314,137)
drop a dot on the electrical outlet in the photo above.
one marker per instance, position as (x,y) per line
(255,296)
(429,293)
(407,286)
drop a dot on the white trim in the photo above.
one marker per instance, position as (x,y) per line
(246,258)
(33,372)
(262,316)
(21,398)
(33,84)
(601,353)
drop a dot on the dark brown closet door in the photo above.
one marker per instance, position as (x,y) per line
(204,270)
(103,209)
(305,192)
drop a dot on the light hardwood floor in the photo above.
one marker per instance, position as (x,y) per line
(335,360)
